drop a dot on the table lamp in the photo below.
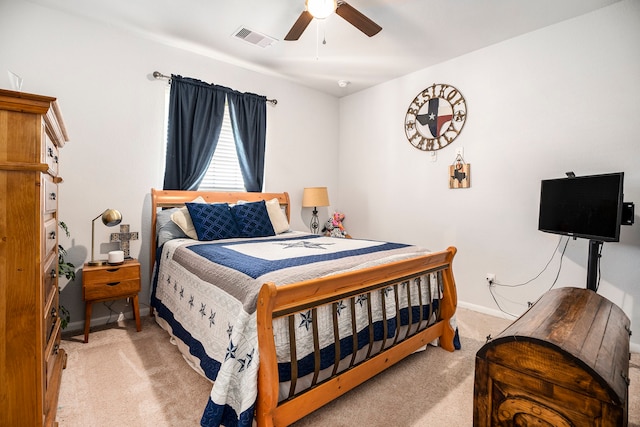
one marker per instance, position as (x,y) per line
(110,217)
(314,197)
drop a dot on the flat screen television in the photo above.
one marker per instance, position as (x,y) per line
(588,207)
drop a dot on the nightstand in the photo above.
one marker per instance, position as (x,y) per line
(110,282)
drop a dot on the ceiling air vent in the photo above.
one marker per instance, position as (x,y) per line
(253,37)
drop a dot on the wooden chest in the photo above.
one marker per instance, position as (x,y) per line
(565,362)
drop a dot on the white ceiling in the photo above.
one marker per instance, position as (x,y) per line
(415,33)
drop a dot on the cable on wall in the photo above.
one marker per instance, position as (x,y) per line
(504,285)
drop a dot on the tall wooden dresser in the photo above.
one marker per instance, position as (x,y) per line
(31,360)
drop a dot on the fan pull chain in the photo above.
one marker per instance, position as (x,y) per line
(320,22)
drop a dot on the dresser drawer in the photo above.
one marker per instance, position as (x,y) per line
(96,291)
(50,236)
(49,276)
(51,352)
(50,154)
(50,196)
(50,316)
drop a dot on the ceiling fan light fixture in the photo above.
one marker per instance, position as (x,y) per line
(321,9)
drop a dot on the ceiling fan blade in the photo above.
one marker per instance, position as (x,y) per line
(357,19)
(299,26)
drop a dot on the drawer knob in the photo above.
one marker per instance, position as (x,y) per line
(52,235)
(53,273)
(56,348)
(52,196)
(50,151)
(54,313)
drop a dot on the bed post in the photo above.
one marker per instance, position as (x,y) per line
(268,378)
(449,302)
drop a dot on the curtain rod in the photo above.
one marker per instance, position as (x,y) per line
(159,75)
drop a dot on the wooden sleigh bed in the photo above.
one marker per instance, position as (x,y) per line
(340,328)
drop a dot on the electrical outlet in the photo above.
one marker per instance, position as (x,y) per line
(491,278)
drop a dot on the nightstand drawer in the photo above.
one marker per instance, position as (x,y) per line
(111,289)
(111,274)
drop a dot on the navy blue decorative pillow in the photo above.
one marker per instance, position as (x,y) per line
(253,219)
(212,221)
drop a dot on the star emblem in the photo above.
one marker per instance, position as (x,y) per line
(340,306)
(306,320)
(212,318)
(231,351)
(305,244)
(361,299)
(203,310)
(246,362)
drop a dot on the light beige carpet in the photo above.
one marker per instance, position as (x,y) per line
(128,378)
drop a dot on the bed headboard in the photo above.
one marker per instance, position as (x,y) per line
(161,199)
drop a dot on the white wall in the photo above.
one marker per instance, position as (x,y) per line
(114,113)
(564,98)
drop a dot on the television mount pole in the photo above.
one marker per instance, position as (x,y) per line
(592,265)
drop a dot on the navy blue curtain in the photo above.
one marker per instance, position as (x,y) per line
(196,111)
(249,123)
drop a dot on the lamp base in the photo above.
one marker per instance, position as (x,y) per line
(314,225)
(94,262)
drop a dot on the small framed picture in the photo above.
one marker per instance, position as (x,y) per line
(459,174)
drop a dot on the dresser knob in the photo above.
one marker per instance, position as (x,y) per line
(54,313)
(50,151)
(52,196)
(53,273)
(52,235)
(56,348)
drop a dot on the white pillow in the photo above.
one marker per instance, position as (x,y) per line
(277,217)
(183,219)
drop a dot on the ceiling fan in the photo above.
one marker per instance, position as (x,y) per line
(320,9)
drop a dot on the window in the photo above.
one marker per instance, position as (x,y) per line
(224,173)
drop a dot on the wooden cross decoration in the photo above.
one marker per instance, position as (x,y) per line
(124,236)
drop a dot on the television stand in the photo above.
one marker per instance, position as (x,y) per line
(595,246)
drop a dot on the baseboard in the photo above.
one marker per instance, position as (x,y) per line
(633,347)
(78,326)
(485,310)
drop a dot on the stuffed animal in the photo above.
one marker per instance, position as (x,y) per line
(333,227)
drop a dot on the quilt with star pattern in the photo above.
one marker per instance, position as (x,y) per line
(205,294)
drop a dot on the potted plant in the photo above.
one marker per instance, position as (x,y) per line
(67,270)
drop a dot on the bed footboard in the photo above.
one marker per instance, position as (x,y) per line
(422,327)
